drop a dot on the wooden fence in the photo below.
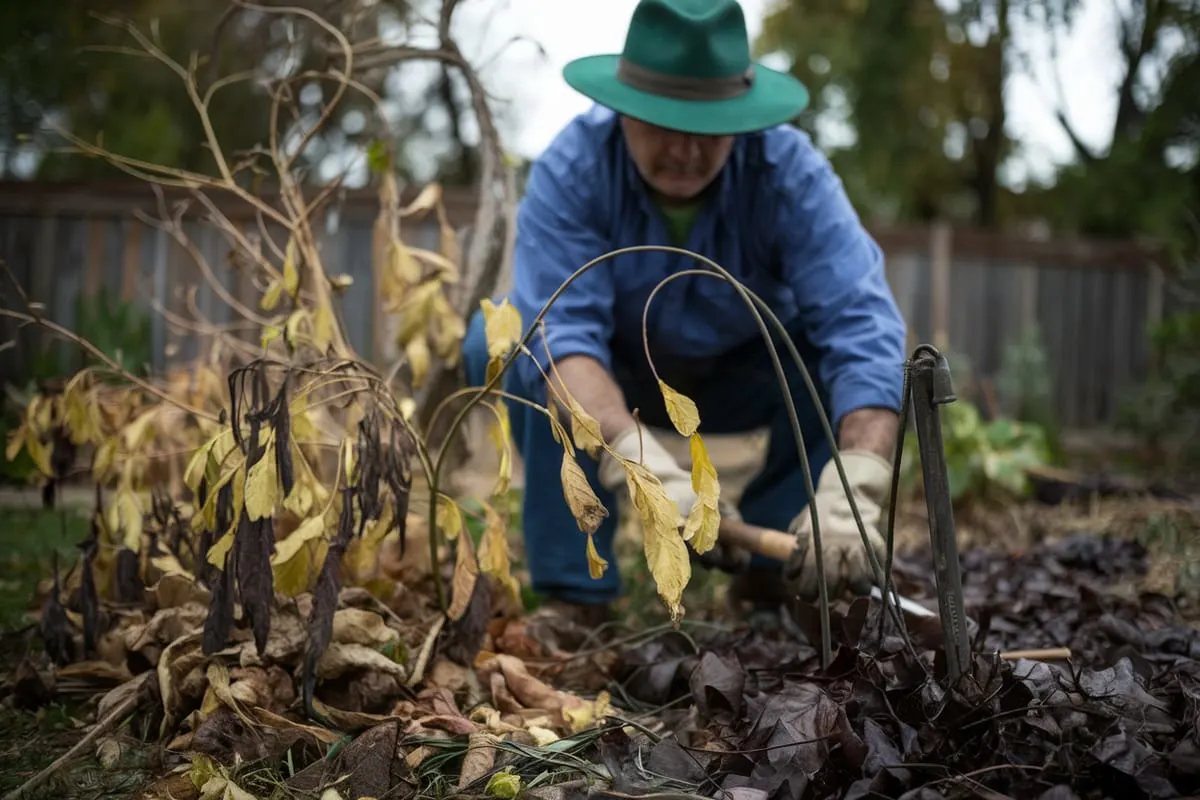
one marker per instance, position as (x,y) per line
(973,293)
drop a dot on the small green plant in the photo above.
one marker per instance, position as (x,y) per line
(120,329)
(985,460)
(1024,384)
(1165,409)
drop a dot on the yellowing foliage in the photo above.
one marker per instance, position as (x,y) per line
(284,453)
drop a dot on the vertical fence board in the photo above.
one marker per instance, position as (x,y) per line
(1093,320)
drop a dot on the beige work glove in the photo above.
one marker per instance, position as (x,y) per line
(846,561)
(638,445)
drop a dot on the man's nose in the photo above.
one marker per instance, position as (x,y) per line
(684,147)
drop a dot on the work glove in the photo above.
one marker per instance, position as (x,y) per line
(638,445)
(846,562)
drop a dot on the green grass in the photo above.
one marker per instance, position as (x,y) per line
(31,740)
(29,538)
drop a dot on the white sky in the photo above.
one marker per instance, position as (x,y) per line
(533,101)
(566,29)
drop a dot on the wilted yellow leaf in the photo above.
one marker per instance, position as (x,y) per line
(500,432)
(495,366)
(417,311)
(362,555)
(680,408)
(220,549)
(666,553)
(39,415)
(196,465)
(447,328)
(270,298)
(446,270)
(270,333)
(322,324)
(136,434)
(466,573)
(502,326)
(168,564)
(291,562)
(300,501)
(560,433)
(426,200)
(404,266)
(417,351)
(349,462)
(304,533)
(262,486)
(82,415)
(129,518)
(291,273)
(291,327)
(494,557)
(448,238)
(585,506)
(39,452)
(581,716)
(102,461)
(585,430)
(596,563)
(449,517)
(705,517)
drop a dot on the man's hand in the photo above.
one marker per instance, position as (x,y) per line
(637,444)
(845,559)
(867,438)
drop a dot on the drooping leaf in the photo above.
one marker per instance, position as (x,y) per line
(585,506)
(666,553)
(704,519)
(502,326)
(681,409)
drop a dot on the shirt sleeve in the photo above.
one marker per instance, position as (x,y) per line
(558,231)
(835,269)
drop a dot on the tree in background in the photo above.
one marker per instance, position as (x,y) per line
(62,64)
(916,88)
(1146,182)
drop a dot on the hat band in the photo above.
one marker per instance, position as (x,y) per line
(679,87)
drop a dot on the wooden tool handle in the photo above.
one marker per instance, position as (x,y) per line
(760,541)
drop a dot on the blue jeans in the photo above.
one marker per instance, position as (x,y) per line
(737,392)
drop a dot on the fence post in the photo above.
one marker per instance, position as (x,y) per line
(939,283)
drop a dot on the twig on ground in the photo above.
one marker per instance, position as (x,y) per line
(115,717)
(418,672)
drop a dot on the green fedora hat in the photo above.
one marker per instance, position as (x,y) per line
(687,66)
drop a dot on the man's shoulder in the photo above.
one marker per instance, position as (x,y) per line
(784,154)
(582,146)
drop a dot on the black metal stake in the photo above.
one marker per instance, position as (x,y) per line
(932,386)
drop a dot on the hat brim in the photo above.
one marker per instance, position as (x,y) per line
(775,98)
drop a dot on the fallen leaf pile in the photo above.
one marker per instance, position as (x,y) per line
(734,713)
(1118,720)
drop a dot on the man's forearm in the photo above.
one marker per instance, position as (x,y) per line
(871,429)
(586,379)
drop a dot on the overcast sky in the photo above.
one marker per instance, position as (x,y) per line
(567,29)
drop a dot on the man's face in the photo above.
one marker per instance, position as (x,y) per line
(676,165)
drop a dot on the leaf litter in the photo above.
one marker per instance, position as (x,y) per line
(730,712)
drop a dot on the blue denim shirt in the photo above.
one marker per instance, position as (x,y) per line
(779,222)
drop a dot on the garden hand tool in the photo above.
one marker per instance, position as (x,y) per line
(927,385)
